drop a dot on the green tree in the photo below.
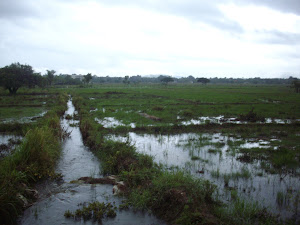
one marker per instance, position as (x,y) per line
(16,75)
(126,80)
(203,80)
(50,76)
(295,84)
(41,81)
(166,80)
(87,78)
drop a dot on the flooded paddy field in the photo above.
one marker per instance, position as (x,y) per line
(220,159)
(260,165)
(24,107)
(244,140)
(192,104)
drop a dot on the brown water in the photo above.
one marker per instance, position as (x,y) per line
(57,197)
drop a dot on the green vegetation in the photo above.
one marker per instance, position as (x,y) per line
(33,160)
(174,196)
(185,102)
(242,212)
(87,78)
(296,84)
(167,195)
(16,75)
(203,80)
(95,211)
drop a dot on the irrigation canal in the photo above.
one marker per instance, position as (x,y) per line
(55,197)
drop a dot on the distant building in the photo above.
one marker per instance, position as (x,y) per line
(80,77)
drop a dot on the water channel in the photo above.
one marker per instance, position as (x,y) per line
(55,197)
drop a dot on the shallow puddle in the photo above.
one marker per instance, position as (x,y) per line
(111,122)
(8,143)
(213,157)
(232,120)
(270,101)
(28,119)
(57,197)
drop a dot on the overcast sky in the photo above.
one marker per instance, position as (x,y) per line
(232,38)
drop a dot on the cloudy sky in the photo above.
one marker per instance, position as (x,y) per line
(232,38)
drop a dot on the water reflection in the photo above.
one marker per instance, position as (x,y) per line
(57,197)
(214,157)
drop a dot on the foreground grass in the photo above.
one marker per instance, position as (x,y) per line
(175,197)
(32,161)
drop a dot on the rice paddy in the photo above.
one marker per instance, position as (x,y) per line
(243,140)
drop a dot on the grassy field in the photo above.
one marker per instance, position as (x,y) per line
(176,103)
(255,128)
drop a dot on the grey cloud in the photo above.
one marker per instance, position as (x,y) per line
(198,11)
(15,8)
(203,11)
(293,55)
(278,37)
(287,6)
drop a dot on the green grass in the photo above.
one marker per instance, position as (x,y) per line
(95,211)
(242,212)
(188,101)
(32,161)
(244,173)
(26,103)
(214,151)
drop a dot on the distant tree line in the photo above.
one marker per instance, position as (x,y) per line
(16,75)
(190,79)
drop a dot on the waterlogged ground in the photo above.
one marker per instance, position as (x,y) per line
(57,197)
(218,158)
(24,107)
(238,165)
(112,122)
(27,119)
(191,104)
(8,143)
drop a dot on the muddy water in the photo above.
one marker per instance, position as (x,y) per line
(57,197)
(211,157)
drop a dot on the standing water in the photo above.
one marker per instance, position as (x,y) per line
(213,157)
(55,198)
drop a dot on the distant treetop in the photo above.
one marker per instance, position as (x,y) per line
(203,80)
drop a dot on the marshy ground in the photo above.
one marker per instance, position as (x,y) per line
(166,142)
